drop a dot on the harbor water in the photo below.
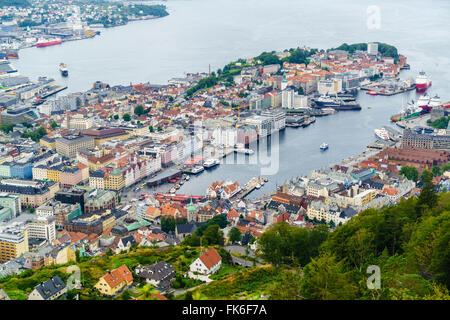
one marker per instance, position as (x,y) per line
(156,50)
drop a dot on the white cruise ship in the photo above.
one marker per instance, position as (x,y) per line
(382,133)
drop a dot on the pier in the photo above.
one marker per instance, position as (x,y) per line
(250,186)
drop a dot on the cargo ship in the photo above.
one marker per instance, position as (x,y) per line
(48,42)
(423,82)
(63,69)
(435,102)
(427,103)
(411,111)
(335,103)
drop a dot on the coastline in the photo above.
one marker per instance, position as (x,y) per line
(94,30)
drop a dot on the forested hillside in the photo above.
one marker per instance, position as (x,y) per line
(409,242)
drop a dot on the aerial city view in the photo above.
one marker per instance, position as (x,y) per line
(224,150)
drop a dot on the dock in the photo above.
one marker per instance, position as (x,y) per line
(250,186)
(53,90)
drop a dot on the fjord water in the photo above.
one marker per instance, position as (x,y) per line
(198,33)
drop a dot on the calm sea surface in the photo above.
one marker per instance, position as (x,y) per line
(198,33)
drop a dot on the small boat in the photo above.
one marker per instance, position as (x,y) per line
(172,190)
(324,146)
(372,93)
(258,186)
(244,150)
(197,169)
(369,107)
(63,69)
(187,178)
(209,163)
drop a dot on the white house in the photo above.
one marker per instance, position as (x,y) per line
(208,262)
(48,290)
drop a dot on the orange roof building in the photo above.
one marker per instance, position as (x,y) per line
(114,281)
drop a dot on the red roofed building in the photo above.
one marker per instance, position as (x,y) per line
(208,262)
(114,281)
(233,216)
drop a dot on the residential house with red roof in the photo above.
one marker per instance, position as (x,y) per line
(114,281)
(208,263)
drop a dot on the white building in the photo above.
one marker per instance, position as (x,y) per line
(287,99)
(208,263)
(42,227)
(331,86)
(48,290)
(278,118)
(372,48)
(263,124)
(226,137)
(77,121)
(300,101)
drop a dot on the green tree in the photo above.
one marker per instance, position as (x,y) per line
(428,195)
(139,110)
(436,171)
(212,235)
(428,248)
(410,173)
(168,224)
(235,235)
(150,128)
(284,244)
(268,58)
(326,279)
(446,167)
(300,91)
(126,117)
(288,287)
(116,116)
(53,124)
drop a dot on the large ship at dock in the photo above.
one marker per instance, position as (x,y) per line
(382,133)
(411,111)
(423,82)
(48,42)
(335,103)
